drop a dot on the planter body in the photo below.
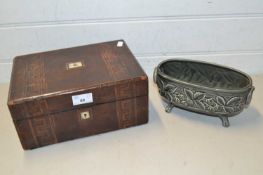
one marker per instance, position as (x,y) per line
(203,88)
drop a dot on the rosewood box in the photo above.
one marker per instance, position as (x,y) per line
(75,92)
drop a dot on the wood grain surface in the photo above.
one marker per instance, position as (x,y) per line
(43,83)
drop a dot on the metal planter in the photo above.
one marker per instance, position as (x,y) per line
(203,87)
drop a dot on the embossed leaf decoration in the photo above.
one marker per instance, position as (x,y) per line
(210,101)
(200,104)
(199,95)
(169,86)
(162,84)
(170,98)
(173,90)
(220,100)
(233,101)
(229,109)
(189,94)
(190,102)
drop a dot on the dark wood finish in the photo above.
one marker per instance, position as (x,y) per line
(42,85)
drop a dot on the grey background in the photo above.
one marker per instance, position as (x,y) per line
(224,31)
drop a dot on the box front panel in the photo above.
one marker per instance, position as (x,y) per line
(82,122)
(103,94)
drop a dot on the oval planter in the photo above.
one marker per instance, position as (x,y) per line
(203,87)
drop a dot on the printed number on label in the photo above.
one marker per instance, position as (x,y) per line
(82,99)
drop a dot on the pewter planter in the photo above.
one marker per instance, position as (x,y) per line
(203,87)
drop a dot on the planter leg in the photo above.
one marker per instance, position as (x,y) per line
(169,107)
(225,121)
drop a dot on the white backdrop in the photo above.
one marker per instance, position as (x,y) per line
(224,31)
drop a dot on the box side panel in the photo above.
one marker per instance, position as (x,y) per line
(50,129)
(142,110)
(24,132)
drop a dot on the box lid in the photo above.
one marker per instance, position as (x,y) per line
(46,82)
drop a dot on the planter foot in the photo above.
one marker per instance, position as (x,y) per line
(169,108)
(225,121)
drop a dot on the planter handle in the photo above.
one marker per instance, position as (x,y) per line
(249,96)
(155,75)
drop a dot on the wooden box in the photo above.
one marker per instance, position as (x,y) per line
(75,92)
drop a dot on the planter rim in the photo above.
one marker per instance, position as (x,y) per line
(162,74)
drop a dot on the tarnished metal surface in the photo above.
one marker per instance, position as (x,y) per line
(203,88)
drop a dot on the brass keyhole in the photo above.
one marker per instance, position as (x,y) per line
(84,115)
